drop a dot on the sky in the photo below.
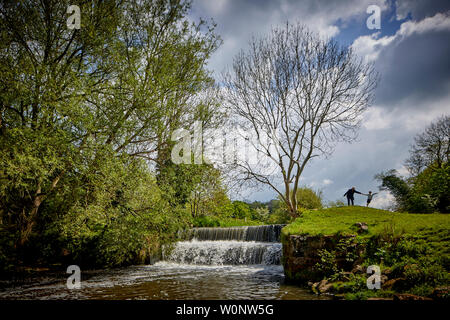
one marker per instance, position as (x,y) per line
(411,52)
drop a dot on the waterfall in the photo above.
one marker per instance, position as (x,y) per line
(266,233)
(247,245)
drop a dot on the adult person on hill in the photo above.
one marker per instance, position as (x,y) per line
(350,195)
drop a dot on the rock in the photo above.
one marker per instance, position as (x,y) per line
(362,227)
(310,284)
(383,279)
(381,299)
(409,297)
(321,287)
(441,293)
(314,287)
(326,288)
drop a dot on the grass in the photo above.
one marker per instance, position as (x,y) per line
(412,247)
(435,227)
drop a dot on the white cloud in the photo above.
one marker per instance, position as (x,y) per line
(439,22)
(382,200)
(376,119)
(370,46)
(327,182)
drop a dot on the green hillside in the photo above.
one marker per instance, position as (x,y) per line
(412,251)
(343,219)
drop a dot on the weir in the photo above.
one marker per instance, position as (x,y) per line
(264,233)
(248,245)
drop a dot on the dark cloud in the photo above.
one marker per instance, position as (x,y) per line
(419,9)
(417,68)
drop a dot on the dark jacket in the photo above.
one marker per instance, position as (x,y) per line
(350,193)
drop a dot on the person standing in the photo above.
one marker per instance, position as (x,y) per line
(369,197)
(350,195)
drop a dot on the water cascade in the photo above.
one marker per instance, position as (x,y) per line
(250,245)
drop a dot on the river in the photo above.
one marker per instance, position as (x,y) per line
(221,263)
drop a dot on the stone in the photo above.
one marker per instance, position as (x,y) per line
(362,227)
(301,256)
(409,297)
(324,286)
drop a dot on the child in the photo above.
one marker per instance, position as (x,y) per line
(369,197)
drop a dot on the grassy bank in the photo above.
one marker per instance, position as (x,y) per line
(412,251)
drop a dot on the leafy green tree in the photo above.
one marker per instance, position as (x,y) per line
(82,109)
(428,187)
(398,187)
(241,210)
(309,199)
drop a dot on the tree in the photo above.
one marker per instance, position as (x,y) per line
(396,186)
(430,148)
(208,194)
(309,199)
(300,92)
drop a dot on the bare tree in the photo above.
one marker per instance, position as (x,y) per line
(296,94)
(432,147)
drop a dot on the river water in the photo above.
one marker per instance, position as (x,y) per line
(166,280)
(216,264)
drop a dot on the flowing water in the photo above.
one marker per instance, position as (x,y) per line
(217,263)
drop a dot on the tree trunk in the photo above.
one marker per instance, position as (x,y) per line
(29,220)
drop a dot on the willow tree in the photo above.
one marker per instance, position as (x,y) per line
(295,94)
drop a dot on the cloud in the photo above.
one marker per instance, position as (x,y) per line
(420,9)
(237,21)
(414,89)
(383,200)
(413,63)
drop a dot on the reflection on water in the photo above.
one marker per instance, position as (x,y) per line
(167,281)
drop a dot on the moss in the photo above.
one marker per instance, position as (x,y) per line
(413,247)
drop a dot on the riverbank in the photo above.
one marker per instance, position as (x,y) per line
(330,250)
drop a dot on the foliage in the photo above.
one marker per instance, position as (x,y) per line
(309,198)
(86,118)
(413,247)
(214,221)
(427,192)
(428,187)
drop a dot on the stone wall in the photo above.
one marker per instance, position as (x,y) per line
(301,254)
